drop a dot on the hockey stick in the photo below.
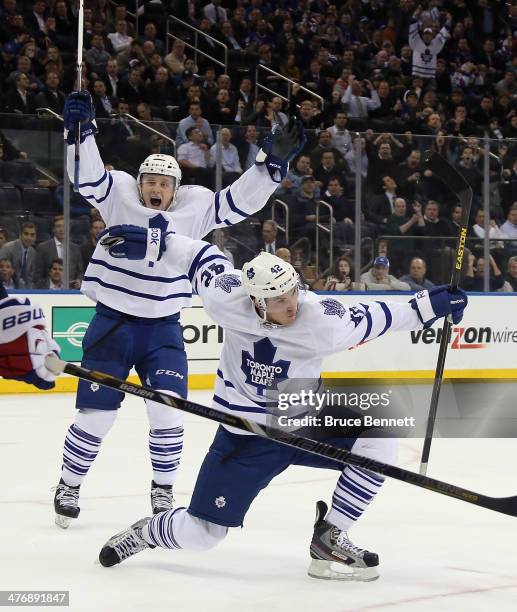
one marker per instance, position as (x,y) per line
(463,191)
(505,505)
(80,28)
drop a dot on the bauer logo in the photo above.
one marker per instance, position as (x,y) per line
(69,324)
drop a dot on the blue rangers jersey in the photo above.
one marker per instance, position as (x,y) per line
(255,354)
(135,287)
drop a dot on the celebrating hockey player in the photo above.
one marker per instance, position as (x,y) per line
(139,302)
(275,327)
(24,342)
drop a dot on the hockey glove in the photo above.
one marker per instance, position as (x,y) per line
(439,302)
(79,109)
(24,343)
(134,243)
(279,147)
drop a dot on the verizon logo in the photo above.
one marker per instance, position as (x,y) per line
(466,337)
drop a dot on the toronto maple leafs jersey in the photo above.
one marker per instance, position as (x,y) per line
(255,355)
(425,56)
(134,287)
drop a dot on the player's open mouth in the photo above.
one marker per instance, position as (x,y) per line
(156,201)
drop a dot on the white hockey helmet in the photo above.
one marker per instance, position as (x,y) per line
(268,276)
(158,163)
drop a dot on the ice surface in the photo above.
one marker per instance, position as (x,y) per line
(437,554)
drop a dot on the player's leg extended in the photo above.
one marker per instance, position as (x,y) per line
(233,473)
(96,410)
(334,556)
(164,367)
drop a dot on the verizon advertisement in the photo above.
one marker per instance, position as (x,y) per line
(486,339)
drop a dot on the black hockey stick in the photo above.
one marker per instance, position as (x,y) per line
(505,505)
(451,177)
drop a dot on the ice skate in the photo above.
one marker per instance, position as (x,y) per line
(124,544)
(161,497)
(66,504)
(334,557)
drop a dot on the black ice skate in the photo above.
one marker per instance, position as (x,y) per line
(66,504)
(334,557)
(161,497)
(124,544)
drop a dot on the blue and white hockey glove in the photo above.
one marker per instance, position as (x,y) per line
(134,243)
(439,302)
(279,147)
(24,343)
(79,109)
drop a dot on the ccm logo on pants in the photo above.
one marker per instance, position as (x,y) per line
(170,373)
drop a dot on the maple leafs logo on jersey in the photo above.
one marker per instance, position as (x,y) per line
(262,370)
(227,282)
(333,307)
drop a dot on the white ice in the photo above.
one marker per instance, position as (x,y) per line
(437,554)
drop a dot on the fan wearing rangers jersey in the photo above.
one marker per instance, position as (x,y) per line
(426,45)
(138,301)
(276,330)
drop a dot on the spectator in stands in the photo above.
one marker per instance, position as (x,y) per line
(131,89)
(111,79)
(378,277)
(271,241)
(97,57)
(249,147)
(230,158)
(194,119)
(87,248)
(52,249)
(327,169)
(416,278)
(340,137)
(151,34)
(220,238)
(357,105)
(284,253)
(381,160)
(509,227)
(215,12)
(460,124)
(342,275)
(51,96)
(426,45)
(4,237)
(193,158)
(351,158)
(22,255)
(474,275)
(120,39)
(54,278)
(7,276)
(102,103)
(20,99)
(511,273)
(380,207)
(325,144)
(161,93)
(434,225)
(478,228)
(222,112)
(409,175)
(175,60)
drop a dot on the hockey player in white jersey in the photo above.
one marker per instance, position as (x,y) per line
(274,329)
(139,302)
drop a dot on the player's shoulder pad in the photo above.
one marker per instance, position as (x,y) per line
(186,192)
(17,316)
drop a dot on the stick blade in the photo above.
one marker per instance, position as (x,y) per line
(446,172)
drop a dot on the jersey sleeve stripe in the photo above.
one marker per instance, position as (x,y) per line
(195,262)
(226,382)
(206,260)
(231,203)
(161,279)
(125,290)
(226,404)
(95,183)
(389,318)
(368,322)
(99,200)
(217,206)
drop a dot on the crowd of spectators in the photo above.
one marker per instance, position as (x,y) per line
(397,77)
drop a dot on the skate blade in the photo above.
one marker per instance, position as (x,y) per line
(63,521)
(329,570)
